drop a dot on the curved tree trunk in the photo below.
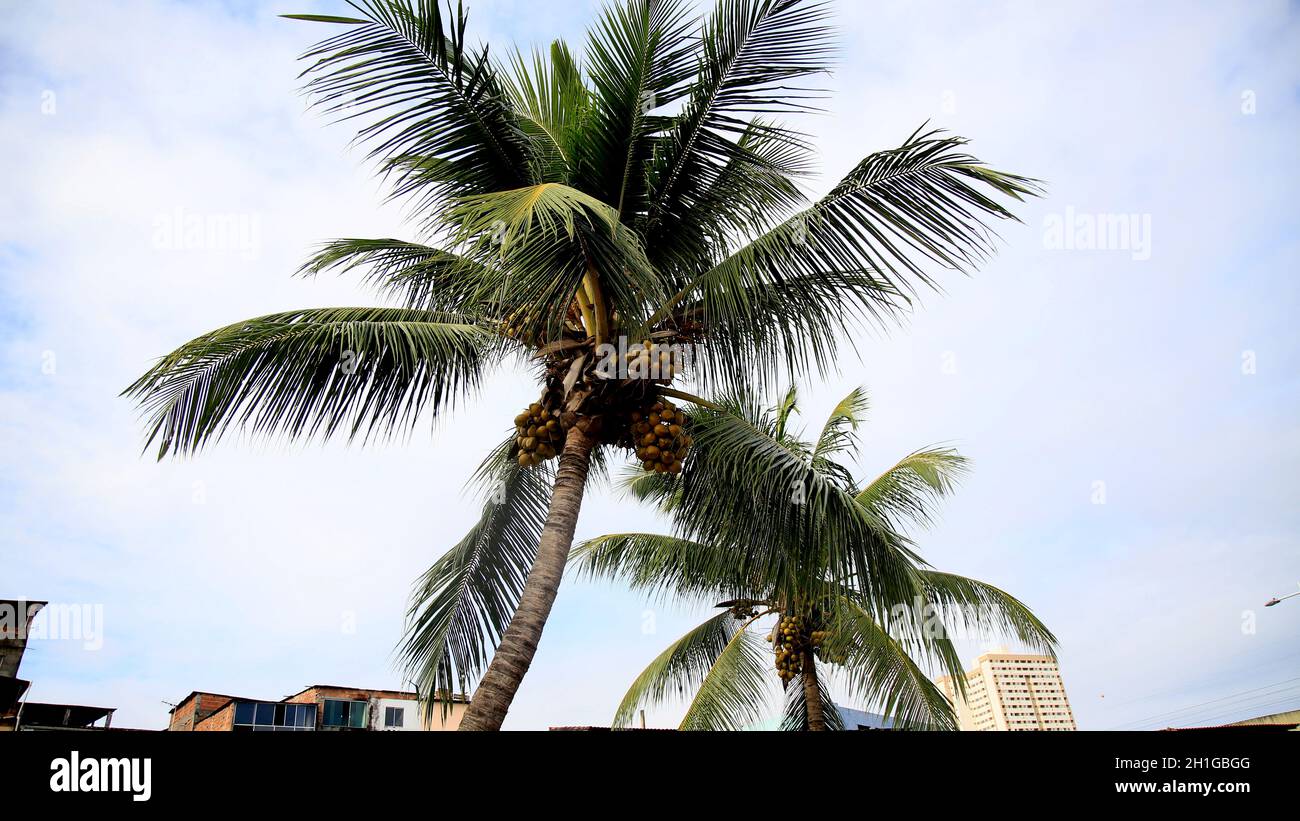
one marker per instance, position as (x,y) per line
(519,641)
(812,693)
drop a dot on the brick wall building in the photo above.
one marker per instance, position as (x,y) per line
(318,707)
(194,708)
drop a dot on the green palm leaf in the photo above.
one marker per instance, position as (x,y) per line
(666,565)
(734,692)
(838,435)
(744,198)
(787,299)
(313,372)
(910,490)
(434,110)
(794,718)
(740,481)
(640,55)
(752,50)
(552,103)
(422,276)
(722,663)
(541,241)
(879,670)
(981,606)
(656,488)
(461,605)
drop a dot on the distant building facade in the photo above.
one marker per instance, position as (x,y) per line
(320,707)
(862,720)
(1011,691)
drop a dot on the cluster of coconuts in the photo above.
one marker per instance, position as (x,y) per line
(646,360)
(831,656)
(788,644)
(513,324)
(791,638)
(659,435)
(539,435)
(741,612)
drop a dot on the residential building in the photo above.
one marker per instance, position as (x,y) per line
(1011,691)
(318,707)
(16,616)
(16,711)
(40,716)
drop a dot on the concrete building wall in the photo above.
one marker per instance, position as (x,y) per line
(16,616)
(409,708)
(451,722)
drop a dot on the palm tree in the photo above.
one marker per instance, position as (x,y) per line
(563,209)
(765,522)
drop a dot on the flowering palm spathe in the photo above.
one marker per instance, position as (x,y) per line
(777,530)
(559,207)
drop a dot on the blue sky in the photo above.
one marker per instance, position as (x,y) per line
(1170,374)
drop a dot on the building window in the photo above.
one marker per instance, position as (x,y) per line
(394,716)
(340,713)
(258,716)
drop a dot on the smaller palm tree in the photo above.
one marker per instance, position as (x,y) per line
(814,575)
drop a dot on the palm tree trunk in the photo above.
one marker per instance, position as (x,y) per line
(519,641)
(812,693)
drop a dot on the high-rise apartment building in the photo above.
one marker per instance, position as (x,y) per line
(1012,691)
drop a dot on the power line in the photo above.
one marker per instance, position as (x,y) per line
(1165,692)
(1289,700)
(1230,697)
(1252,704)
(1241,700)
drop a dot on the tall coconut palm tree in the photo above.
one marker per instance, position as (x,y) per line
(564,208)
(757,515)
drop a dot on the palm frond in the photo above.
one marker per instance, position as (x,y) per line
(640,55)
(734,691)
(880,671)
(667,565)
(505,219)
(977,605)
(785,408)
(858,253)
(550,99)
(543,240)
(687,663)
(313,372)
(794,717)
(747,197)
(656,488)
(421,276)
(462,604)
(838,435)
(910,490)
(739,481)
(753,51)
(433,109)
(762,330)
